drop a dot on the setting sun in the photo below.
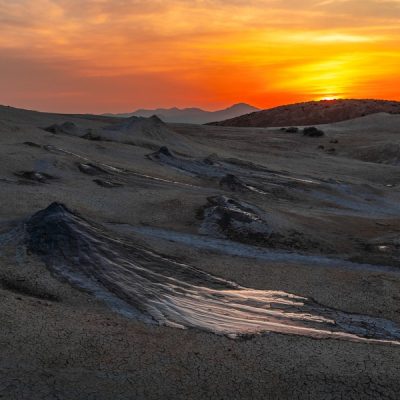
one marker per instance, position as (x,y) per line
(328,98)
(199,199)
(97,56)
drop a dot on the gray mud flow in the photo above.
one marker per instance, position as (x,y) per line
(235,175)
(232,248)
(169,293)
(91,167)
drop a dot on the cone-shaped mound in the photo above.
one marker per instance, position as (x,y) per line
(149,132)
(67,127)
(178,295)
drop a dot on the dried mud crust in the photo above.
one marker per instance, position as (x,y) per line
(90,354)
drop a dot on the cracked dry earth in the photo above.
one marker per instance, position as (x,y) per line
(197,262)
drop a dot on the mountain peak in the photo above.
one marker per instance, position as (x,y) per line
(237,105)
(193,115)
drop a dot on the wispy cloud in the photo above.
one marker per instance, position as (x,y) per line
(209,52)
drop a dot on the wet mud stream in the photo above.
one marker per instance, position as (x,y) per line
(111,169)
(143,284)
(229,247)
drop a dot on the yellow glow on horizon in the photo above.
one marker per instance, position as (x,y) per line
(129,53)
(328,98)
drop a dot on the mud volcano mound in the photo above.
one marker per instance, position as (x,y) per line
(148,132)
(244,222)
(71,129)
(313,113)
(143,284)
(68,128)
(192,166)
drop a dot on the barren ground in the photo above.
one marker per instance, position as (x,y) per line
(327,228)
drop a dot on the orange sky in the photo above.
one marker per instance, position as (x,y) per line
(119,55)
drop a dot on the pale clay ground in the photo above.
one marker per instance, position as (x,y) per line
(57,342)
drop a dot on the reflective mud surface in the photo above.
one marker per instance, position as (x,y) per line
(249,251)
(147,285)
(330,196)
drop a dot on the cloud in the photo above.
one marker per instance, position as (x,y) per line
(252,43)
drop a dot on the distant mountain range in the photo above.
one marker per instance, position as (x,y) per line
(313,113)
(191,115)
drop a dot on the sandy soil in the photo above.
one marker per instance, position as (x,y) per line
(327,229)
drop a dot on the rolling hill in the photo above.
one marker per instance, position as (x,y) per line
(313,113)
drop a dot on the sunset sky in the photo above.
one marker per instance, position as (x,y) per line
(118,55)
